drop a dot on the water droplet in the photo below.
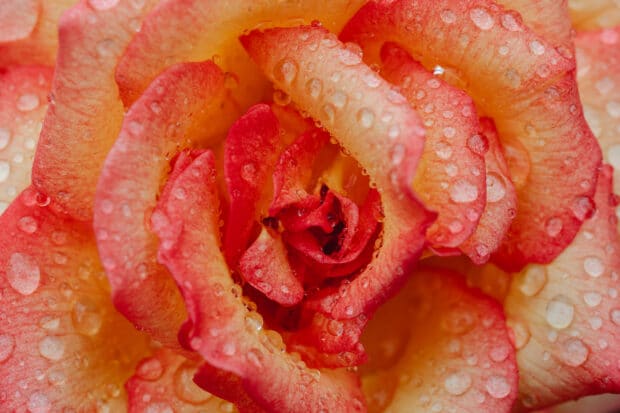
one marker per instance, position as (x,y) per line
(86,318)
(160,407)
(533,280)
(458,320)
(447,16)
(103,4)
(560,312)
(255,357)
(330,112)
(496,190)
(592,299)
(338,99)
(613,108)
(52,348)
(615,316)
(537,48)
(186,389)
(286,71)
(481,18)
(28,225)
(463,191)
(554,227)
(28,102)
(458,383)
(365,117)
(593,266)
(39,403)
(499,353)
(5,138)
(511,22)
(574,353)
(350,55)
(106,48)
(595,322)
(582,207)
(7,345)
(5,171)
(478,144)
(23,273)
(150,369)
(498,387)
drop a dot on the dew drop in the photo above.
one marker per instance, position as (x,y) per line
(106,48)
(286,71)
(553,227)
(160,407)
(582,207)
(574,352)
(52,348)
(499,353)
(5,138)
(613,109)
(7,346)
(615,316)
(498,387)
(86,318)
(28,102)
(365,117)
(510,22)
(537,48)
(23,273)
(458,383)
(39,403)
(533,280)
(463,191)
(496,190)
(255,357)
(103,4)
(447,16)
(595,322)
(458,320)
(478,144)
(5,171)
(560,312)
(150,369)
(592,299)
(338,99)
(593,266)
(481,18)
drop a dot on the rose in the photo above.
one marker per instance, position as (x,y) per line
(50,284)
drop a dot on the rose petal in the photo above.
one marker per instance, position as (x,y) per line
(182,107)
(379,129)
(18,19)
(529,90)
(23,101)
(565,315)
(598,57)
(39,47)
(85,115)
(594,14)
(251,152)
(501,202)
(225,332)
(439,345)
(265,266)
(451,179)
(171,35)
(164,383)
(62,343)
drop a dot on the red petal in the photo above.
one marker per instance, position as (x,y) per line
(41,45)
(439,345)
(598,59)
(86,114)
(265,266)
(18,19)
(224,332)
(451,179)
(378,128)
(525,85)
(171,35)
(23,101)
(164,382)
(501,204)
(251,152)
(565,315)
(188,96)
(60,337)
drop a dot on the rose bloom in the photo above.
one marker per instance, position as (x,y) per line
(309,206)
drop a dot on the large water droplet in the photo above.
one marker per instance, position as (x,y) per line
(533,280)
(463,191)
(52,348)
(574,352)
(458,383)
(7,345)
(560,312)
(498,387)
(593,266)
(481,18)
(23,273)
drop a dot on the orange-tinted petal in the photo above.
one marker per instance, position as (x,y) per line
(181,108)
(598,77)
(85,115)
(62,343)
(525,85)
(565,315)
(439,345)
(18,19)
(594,14)
(23,101)
(371,121)
(223,330)
(451,179)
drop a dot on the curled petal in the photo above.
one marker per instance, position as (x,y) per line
(23,101)
(85,114)
(182,107)
(565,315)
(529,90)
(60,337)
(376,125)
(224,331)
(451,350)
(451,179)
